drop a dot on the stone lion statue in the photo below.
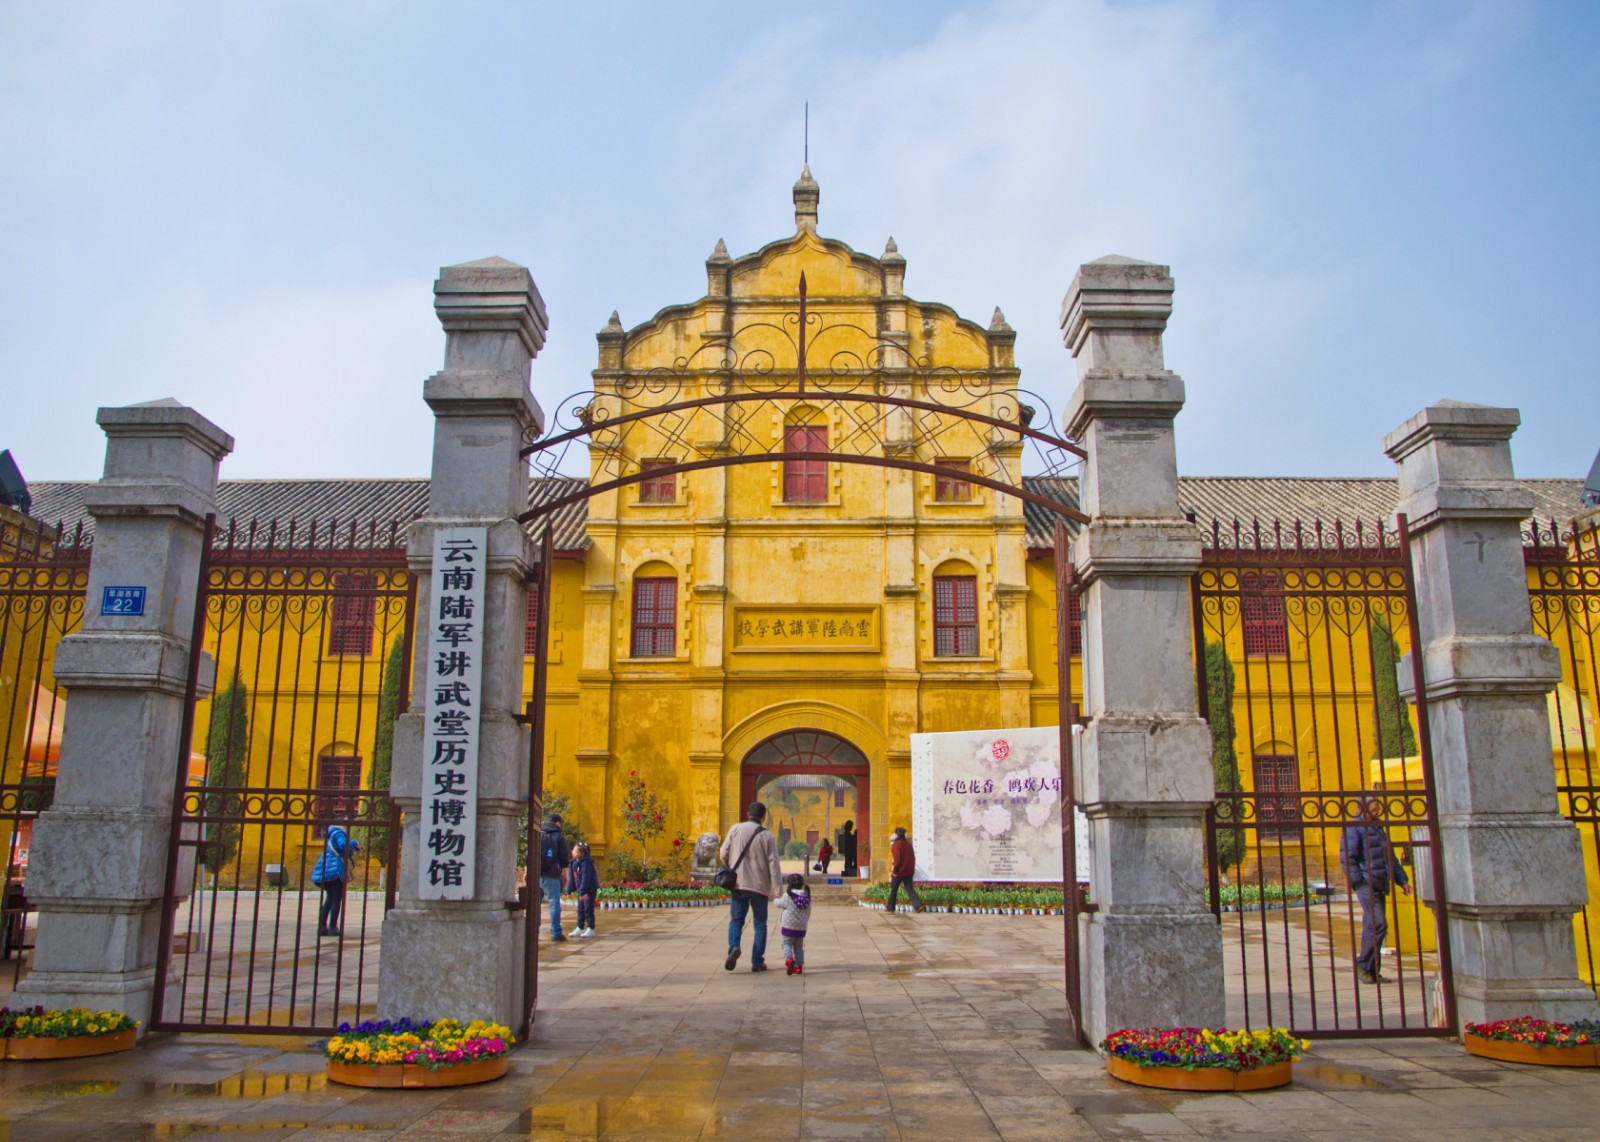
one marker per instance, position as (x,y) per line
(705,856)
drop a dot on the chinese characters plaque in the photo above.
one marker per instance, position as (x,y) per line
(448,828)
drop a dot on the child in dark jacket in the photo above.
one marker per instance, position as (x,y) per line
(796,905)
(585,886)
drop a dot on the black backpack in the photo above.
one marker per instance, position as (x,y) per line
(549,862)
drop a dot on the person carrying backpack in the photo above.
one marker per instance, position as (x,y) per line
(329,874)
(554,860)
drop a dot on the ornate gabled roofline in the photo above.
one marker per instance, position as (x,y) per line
(765,254)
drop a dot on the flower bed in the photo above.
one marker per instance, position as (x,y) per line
(982,899)
(39,1033)
(1197,1058)
(1537,1041)
(407,1054)
(660,895)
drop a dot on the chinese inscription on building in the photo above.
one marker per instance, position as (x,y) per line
(805,628)
(448,827)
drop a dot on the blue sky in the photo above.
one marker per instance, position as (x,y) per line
(1367,206)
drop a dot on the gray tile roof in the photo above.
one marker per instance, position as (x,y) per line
(327,504)
(1225,498)
(1306,499)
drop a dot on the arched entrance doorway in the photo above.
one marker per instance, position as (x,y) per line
(812,781)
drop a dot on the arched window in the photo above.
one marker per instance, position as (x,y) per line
(655,617)
(955,615)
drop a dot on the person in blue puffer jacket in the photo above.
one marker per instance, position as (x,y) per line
(329,875)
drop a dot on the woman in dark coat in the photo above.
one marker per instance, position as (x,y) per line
(847,849)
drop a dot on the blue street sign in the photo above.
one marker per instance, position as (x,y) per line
(835,880)
(123,601)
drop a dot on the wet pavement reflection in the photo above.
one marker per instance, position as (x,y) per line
(904,1026)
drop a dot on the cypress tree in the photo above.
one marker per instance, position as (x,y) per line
(1224,761)
(1391,722)
(375,838)
(227,754)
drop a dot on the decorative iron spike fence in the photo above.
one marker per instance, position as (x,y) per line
(1564,593)
(1299,630)
(309,628)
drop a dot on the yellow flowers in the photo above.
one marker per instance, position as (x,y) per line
(38,1022)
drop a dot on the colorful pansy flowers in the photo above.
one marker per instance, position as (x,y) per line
(1191,1048)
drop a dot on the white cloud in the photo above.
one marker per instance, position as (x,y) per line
(316,382)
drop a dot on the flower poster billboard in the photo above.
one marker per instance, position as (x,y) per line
(986,805)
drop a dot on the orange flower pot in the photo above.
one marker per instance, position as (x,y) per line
(1507,1052)
(1201,1078)
(396,1076)
(72,1047)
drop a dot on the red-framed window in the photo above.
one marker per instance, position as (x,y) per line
(530,625)
(1277,779)
(838,798)
(955,615)
(655,617)
(1074,624)
(805,481)
(354,616)
(658,488)
(948,486)
(338,780)
(1266,621)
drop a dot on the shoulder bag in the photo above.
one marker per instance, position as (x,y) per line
(727,878)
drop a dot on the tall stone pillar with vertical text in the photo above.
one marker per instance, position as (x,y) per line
(463,957)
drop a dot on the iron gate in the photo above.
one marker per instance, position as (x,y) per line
(310,632)
(1564,589)
(43,576)
(1299,633)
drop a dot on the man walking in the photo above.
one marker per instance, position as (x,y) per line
(751,852)
(1370,866)
(554,860)
(902,867)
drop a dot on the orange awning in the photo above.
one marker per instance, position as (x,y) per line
(42,750)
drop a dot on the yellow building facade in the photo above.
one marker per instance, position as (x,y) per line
(728,609)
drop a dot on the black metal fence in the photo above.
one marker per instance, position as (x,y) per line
(43,576)
(309,629)
(1564,591)
(1298,634)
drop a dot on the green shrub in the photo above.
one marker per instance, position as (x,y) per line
(797,850)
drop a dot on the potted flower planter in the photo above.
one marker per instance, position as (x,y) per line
(38,1033)
(405,1054)
(1199,1059)
(1537,1042)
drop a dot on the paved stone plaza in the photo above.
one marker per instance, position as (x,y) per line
(905,1026)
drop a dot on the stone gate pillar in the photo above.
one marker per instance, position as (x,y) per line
(463,958)
(1513,865)
(1152,950)
(99,862)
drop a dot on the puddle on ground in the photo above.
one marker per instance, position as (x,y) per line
(247,1085)
(1333,1075)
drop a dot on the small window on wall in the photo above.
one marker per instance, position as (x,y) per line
(338,783)
(658,487)
(1074,624)
(655,617)
(530,627)
(352,621)
(1265,620)
(948,486)
(1277,779)
(955,615)
(805,481)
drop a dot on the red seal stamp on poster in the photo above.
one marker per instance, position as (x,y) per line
(1001,749)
